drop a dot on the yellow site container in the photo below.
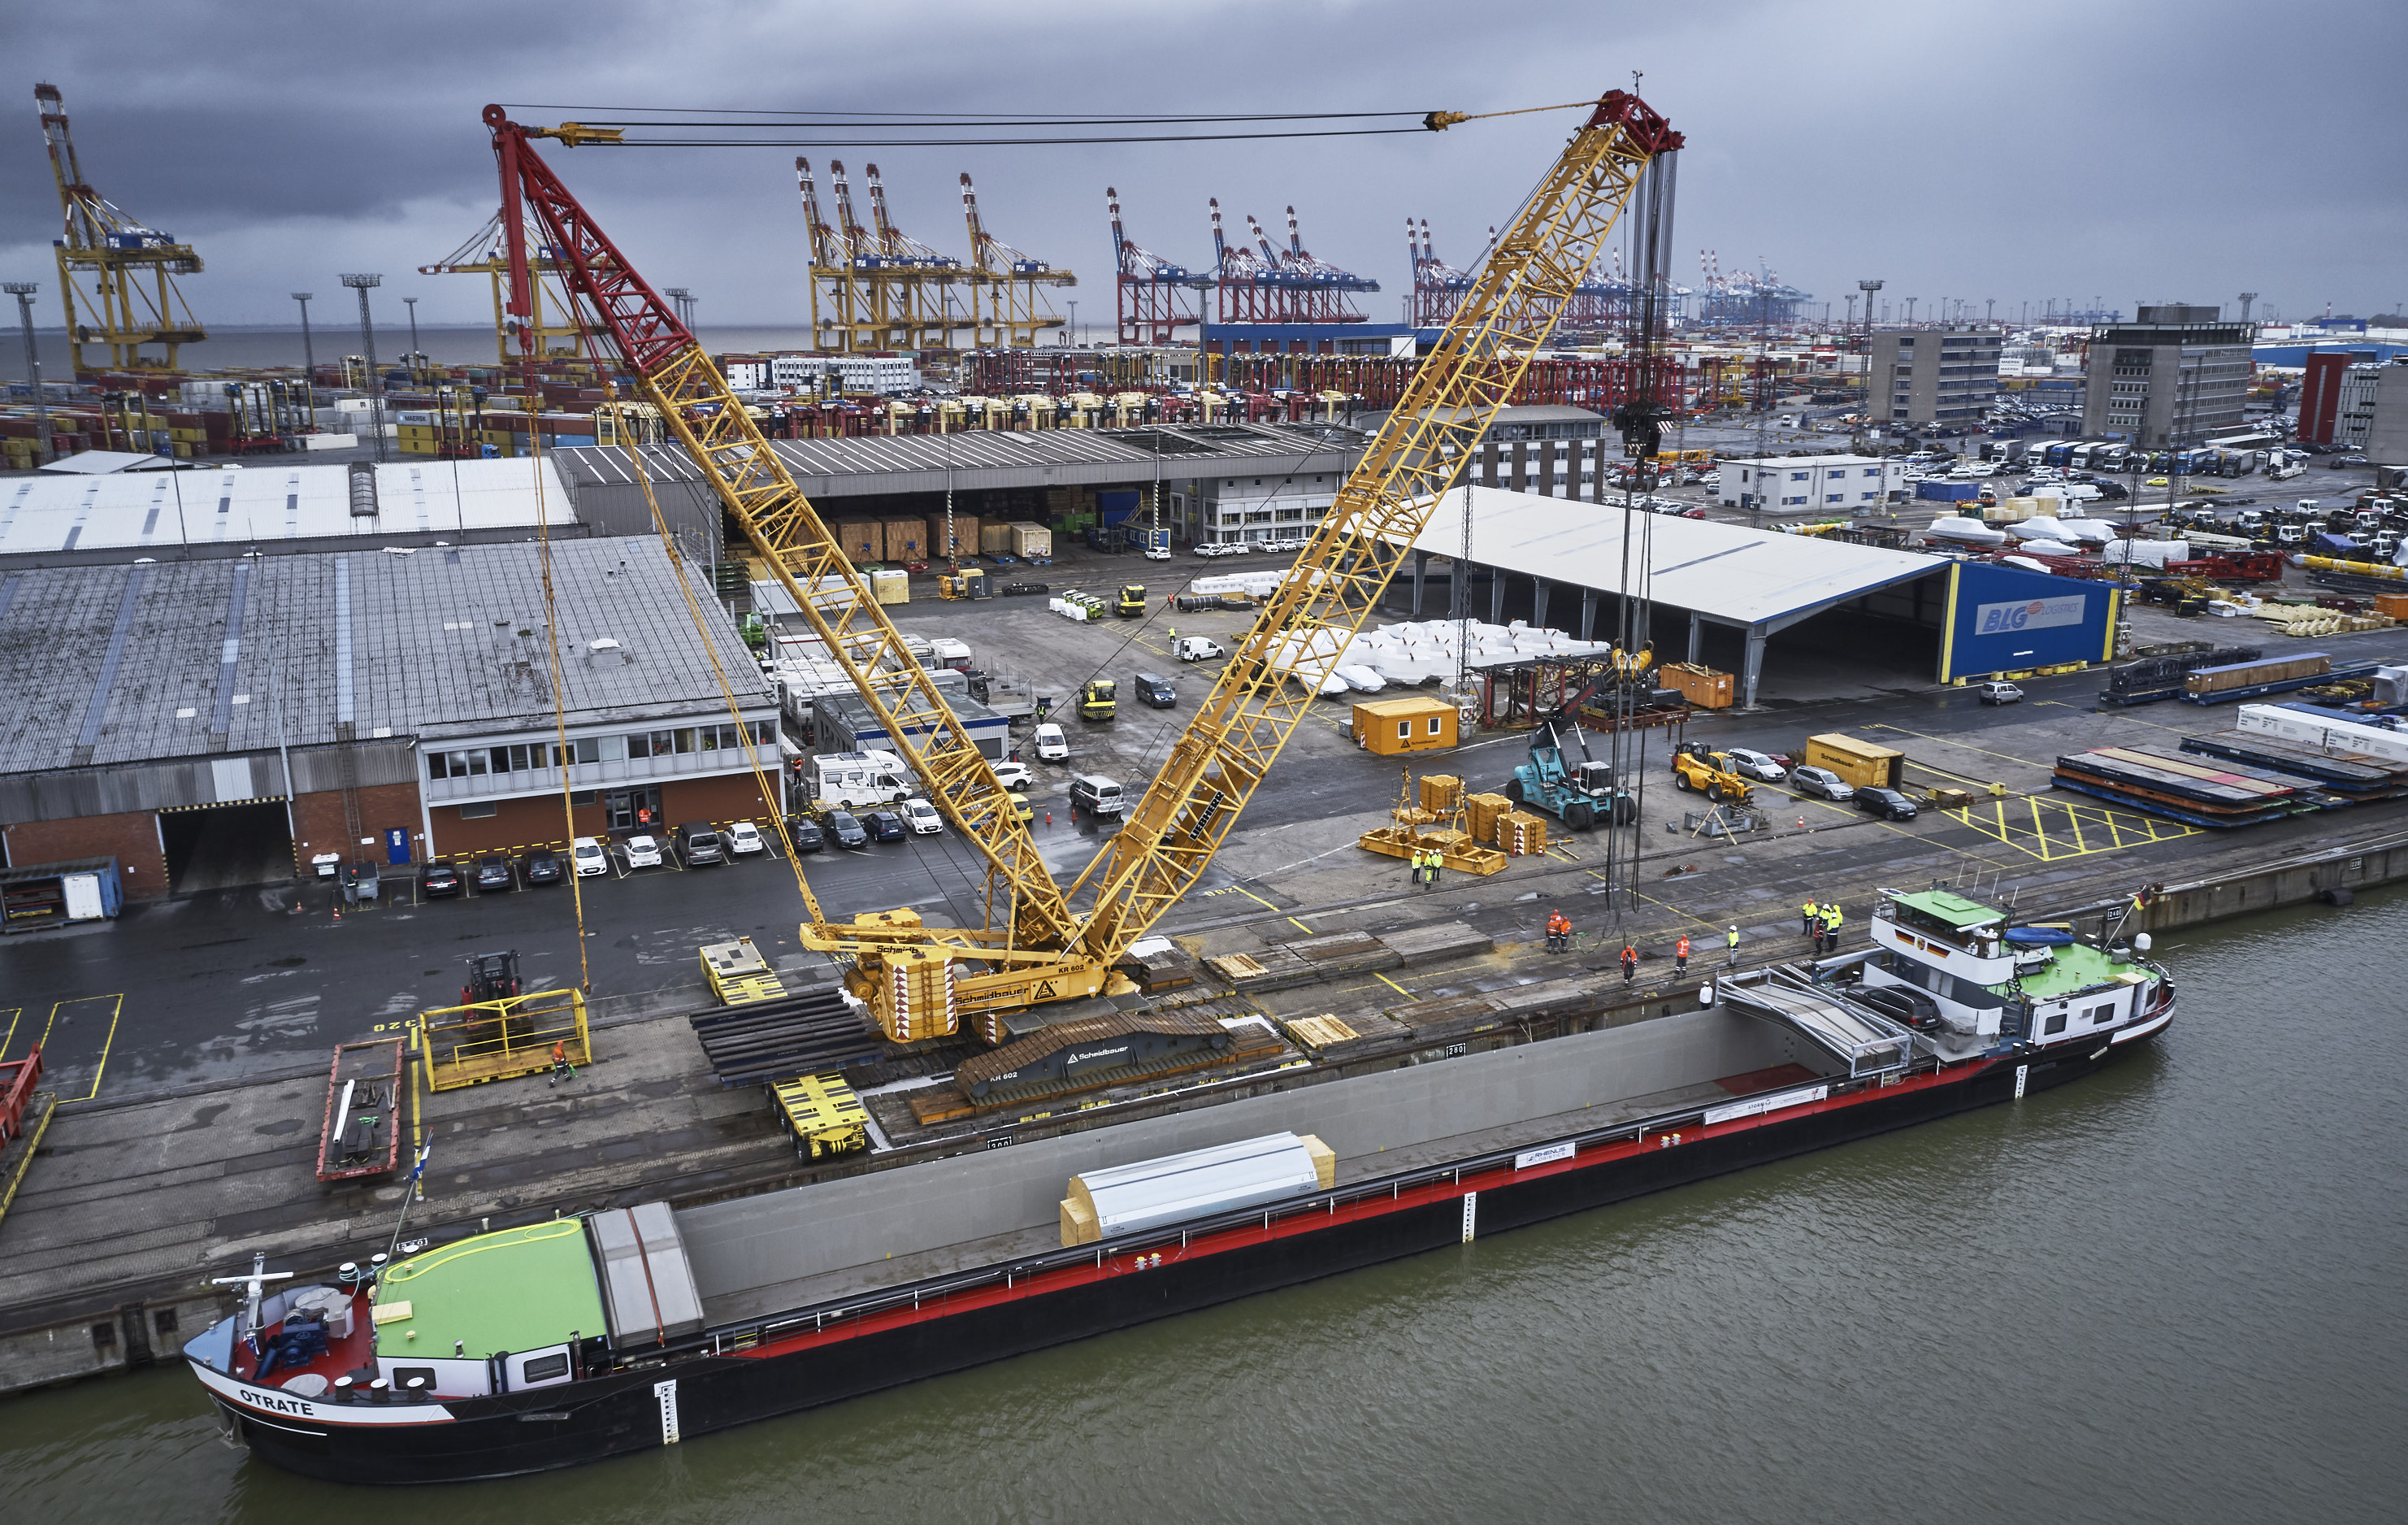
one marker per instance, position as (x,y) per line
(1859,763)
(1392,726)
(890,586)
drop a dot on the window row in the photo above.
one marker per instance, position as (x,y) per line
(539,757)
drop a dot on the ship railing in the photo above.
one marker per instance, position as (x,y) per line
(839,1313)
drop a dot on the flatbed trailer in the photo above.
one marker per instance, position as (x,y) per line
(24,1114)
(2284,685)
(361,1134)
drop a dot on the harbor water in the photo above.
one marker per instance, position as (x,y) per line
(2171,1293)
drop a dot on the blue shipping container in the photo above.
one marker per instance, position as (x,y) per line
(1948,492)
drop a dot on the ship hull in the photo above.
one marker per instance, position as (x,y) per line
(627,1411)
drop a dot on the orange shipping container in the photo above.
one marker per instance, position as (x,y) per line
(1702,686)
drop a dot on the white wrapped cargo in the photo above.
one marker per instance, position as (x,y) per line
(1177,1188)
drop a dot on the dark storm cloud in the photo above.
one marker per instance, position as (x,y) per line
(1998,150)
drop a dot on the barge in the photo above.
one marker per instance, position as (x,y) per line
(550,1345)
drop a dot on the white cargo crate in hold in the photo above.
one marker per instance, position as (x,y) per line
(1131,1199)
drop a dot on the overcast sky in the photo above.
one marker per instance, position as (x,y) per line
(2015,152)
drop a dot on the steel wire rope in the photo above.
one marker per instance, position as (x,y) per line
(559,712)
(991,142)
(726,690)
(974,119)
(1147,622)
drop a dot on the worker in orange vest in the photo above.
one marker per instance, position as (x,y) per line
(1681,954)
(1559,931)
(1629,963)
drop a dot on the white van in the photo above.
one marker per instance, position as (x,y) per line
(1051,746)
(1199,648)
(853,780)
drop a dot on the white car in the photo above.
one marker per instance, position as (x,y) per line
(643,853)
(1051,746)
(587,853)
(744,838)
(1157,553)
(923,818)
(1012,774)
(1756,765)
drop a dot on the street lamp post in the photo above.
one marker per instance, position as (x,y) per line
(308,353)
(416,359)
(23,291)
(363,283)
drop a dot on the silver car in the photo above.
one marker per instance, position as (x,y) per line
(1756,765)
(1822,782)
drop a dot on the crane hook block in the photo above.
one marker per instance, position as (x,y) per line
(1439,121)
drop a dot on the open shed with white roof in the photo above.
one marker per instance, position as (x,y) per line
(1755,582)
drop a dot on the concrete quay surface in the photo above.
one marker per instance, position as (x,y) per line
(189,1040)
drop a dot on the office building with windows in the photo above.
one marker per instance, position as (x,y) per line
(1809,485)
(2177,376)
(1933,378)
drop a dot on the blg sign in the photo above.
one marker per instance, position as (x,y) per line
(2027,614)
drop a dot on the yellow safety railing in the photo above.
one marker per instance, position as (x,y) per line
(495,1040)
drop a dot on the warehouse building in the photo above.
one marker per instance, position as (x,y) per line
(1052,476)
(230,721)
(1874,608)
(230,509)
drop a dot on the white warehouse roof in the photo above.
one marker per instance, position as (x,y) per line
(272,499)
(1725,572)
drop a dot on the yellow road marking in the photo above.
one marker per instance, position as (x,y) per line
(10,1036)
(116,1009)
(1392,985)
(2058,829)
(1259,901)
(1945,742)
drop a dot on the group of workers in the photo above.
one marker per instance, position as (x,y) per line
(1425,862)
(1559,940)
(1822,921)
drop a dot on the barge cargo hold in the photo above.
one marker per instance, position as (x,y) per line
(632,1330)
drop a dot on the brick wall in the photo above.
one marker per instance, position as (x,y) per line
(516,826)
(132,839)
(719,800)
(519,825)
(318,824)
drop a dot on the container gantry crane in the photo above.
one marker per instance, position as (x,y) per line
(132,299)
(1154,297)
(1048,941)
(1015,310)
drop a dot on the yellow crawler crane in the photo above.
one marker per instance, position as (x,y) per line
(923,981)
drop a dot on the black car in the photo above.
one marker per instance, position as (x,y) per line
(543,867)
(493,875)
(805,834)
(884,825)
(1888,804)
(436,880)
(847,831)
(697,843)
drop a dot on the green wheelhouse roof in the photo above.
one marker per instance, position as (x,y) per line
(514,1289)
(1950,907)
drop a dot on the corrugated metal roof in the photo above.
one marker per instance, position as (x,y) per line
(983,457)
(235,506)
(444,640)
(1726,572)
